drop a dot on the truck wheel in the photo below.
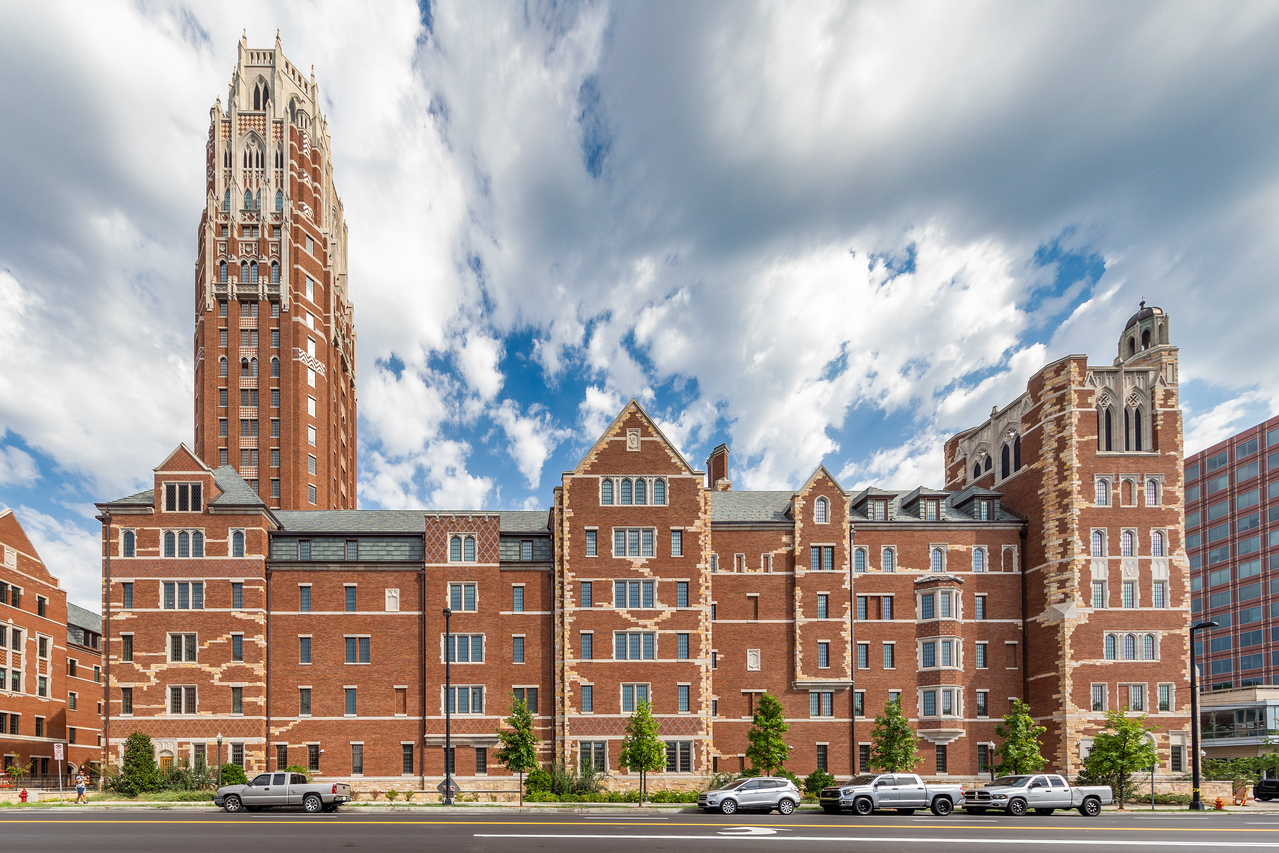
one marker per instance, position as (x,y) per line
(1017,806)
(942,806)
(728,807)
(863,806)
(975,810)
(831,809)
(312,804)
(1044,812)
(1091,807)
(786,806)
(232,804)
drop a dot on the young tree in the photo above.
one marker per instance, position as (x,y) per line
(1123,748)
(1019,751)
(893,741)
(139,773)
(641,750)
(518,751)
(767,749)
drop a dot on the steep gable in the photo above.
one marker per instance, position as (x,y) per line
(632,431)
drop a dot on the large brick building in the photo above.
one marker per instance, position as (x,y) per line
(274,329)
(1051,567)
(50,677)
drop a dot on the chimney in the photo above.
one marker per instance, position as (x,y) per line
(717,470)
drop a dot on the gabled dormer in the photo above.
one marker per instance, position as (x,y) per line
(925,504)
(873,504)
(977,503)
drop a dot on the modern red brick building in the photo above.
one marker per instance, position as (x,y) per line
(50,681)
(274,329)
(1051,567)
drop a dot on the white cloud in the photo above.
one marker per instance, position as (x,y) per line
(530,438)
(71,552)
(1222,421)
(17,467)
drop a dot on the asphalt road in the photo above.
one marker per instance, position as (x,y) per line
(166,832)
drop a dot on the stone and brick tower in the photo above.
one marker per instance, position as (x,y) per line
(1091,456)
(274,330)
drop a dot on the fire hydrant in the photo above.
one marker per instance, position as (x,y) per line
(1220,805)
(23,795)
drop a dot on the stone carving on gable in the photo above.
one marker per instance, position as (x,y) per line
(632,439)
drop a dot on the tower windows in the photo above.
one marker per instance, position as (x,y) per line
(976,470)
(1017,453)
(244,272)
(248,200)
(1157,543)
(222,367)
(1005,462)
(226,199)
(1152,492)
(275,368)
(275,273)
(244,368)
(222,272)
(1105,429)
(253,273)
(253,368)
(279,194)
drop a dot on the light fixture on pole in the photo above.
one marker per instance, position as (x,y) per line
(219,759)
(1195,804)
(448,710)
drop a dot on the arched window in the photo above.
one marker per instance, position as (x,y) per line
(253,273)
(244,368)
(937,560)
(1157,544)
(1152,492)
(226,200)
(455,549)
(1105,429)
(985,468)
(606,492)
(244,272)
(1110,647)
(237,543)
(1130,647)
(1017,453)
(888,560)
(979,559)
(222,368)
(626,492)
(1136,430)
(197,544)
(1103,493)
(248,200)
(1098,543)
(821,511)
(279,196)
(275,368)
(257,98)
(1128,496)
(1005,462)
(1126,543)
(468,549)
(130,544)
(257,200)
(170,545)
(641,492)
(184,544)
(976,470)
(1148,647)
(1145,339)
(222,272)
(275,273)
(859,560)
(659,492)
(253,368)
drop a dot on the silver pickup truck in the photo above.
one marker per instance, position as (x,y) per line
(282,789)
(1045,793)
(905,792)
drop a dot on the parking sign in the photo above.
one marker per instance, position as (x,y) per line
(59,752)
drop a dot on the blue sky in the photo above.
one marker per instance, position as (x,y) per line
(830,234)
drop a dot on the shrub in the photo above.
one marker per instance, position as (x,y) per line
(233,774)
(139,775)
(187,778)
(786,774)
(297,768)
(538,781)
(815,781)
(719,780)
(392,794)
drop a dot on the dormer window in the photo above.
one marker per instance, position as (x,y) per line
(929,509)
(877,510)
(182,497)
(985,509)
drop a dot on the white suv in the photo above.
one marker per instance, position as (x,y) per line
(764,793)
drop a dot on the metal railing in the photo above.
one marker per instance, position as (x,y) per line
(1242,730)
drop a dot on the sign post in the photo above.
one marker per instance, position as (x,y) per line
(59,754)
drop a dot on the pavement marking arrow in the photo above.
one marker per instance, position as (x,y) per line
(743,831)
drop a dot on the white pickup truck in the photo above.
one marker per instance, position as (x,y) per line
(283,789)
(1045,793)
(904,792)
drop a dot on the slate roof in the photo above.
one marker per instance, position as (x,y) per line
(396,520)
(146,498)
(81,618)
(750,506)
(525,521)
(235,491)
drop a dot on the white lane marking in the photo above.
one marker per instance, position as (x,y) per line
(1042,842)
(746,831)
(626,818)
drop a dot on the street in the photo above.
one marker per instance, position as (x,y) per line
(163,832)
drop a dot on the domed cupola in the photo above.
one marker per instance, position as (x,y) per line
(1146,329)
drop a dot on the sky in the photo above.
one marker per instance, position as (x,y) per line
(823,233)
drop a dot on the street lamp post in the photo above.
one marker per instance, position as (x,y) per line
(1195,804)
(448,711)
(219,759)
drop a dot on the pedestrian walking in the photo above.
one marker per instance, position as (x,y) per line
(81,784)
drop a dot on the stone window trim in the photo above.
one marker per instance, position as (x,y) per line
(514,637)
(628,491)
(821,511)
(1172,698)
(977,709)
(1129,535)
(306,663)
(1105,542)
(591,684)
(934,548)
(892,643)
(1155,545)
(1105,696)
(123,551)
(1103,495)
(888,550)
(463,546)
(1125,697)
(592,529)
(444,638)
(678,685)
(957,660)
(1157,480)
(957,699)
(865,559)
(182,497)
(956,605)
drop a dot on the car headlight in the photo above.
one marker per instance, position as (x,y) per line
(999,796)
(845,791)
